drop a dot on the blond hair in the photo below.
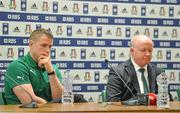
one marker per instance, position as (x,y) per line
(38,33)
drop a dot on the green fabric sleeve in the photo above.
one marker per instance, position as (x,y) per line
(17,73)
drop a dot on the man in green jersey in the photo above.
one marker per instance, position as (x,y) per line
(33,77)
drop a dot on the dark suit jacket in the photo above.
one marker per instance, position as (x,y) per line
(117,91)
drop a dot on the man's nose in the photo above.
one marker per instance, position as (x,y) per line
(148,52)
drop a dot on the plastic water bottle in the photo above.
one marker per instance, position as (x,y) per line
(67,96)
(163,96)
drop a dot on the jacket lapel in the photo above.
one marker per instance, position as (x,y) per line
(151,78)
(131,72)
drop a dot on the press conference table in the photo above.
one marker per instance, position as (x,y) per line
(90,108)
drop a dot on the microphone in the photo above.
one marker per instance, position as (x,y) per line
(32,104)
(140,99)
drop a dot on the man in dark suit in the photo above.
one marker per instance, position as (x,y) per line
(130,71)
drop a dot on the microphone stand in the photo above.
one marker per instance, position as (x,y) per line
(32,104)
(140,99)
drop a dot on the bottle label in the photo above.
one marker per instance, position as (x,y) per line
(67,98)
(163,96)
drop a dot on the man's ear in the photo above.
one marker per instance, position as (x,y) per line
(30,43)
(131,49)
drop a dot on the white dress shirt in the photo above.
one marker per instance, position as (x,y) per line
(138,73)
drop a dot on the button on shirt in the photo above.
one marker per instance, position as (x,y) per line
(138,73)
